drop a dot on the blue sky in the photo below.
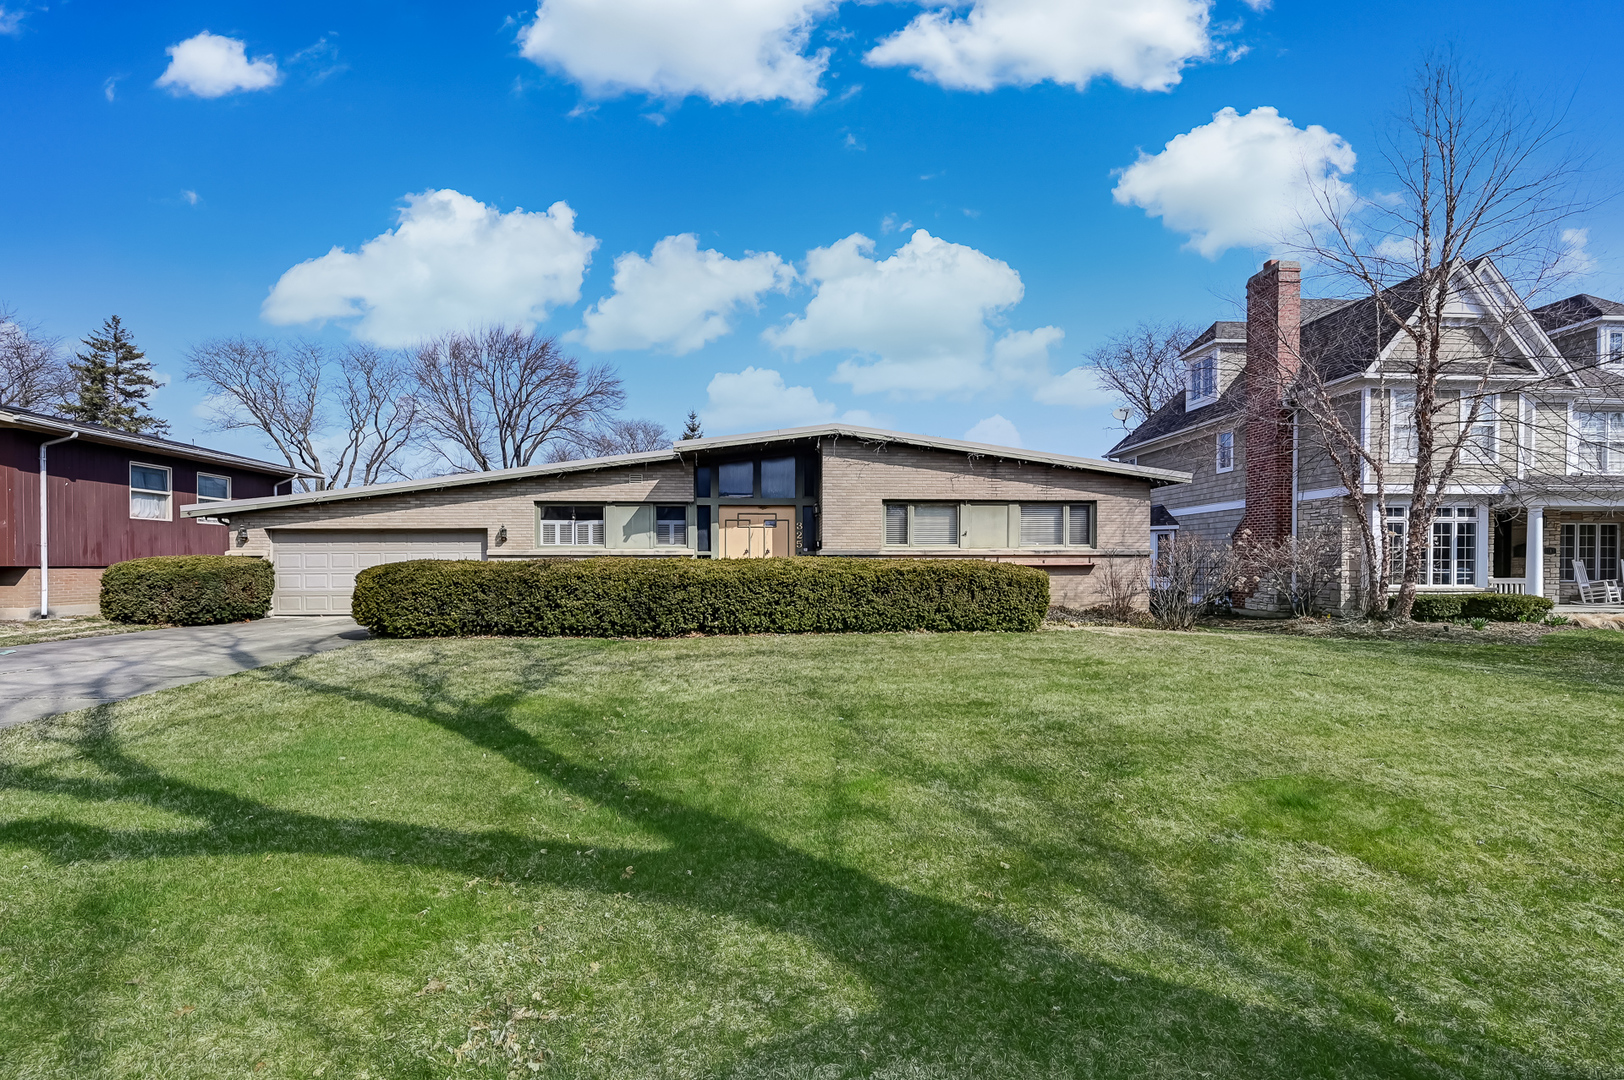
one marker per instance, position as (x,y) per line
(735,153)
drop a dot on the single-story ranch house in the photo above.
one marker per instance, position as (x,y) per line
(830,490)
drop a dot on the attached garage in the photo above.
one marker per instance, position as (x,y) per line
(316,568)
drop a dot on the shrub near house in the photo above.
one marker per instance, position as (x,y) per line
(645,598)
(187,590)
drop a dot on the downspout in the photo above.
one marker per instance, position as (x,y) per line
(45,527)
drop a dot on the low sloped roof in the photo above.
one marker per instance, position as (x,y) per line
(691,446)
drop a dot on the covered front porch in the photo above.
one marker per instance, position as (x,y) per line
(1550,551)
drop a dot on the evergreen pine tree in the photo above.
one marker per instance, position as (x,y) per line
(692,430)
(114,381)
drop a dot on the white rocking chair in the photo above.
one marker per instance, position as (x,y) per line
(1595,592)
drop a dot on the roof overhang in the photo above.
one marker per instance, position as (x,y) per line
(54,425)
(723,443)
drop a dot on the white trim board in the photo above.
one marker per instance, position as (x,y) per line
(1207,508)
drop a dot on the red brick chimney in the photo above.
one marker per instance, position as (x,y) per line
(1273,346)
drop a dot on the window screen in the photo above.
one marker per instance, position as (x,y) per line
(671,526)
(936,526)
(1080,524)
(736,478)
(1040,525)
(213,488)
(778,478)
(896,524)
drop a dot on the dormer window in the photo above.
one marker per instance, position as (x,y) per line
(1202,387)
(1614,352)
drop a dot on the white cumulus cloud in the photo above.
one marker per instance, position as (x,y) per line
(995,430)
(723,50)
(917,321)
(756,399)
(211,66)
(1080,388)
(1143,44)
(1240,181)
(679,298)
(452,262)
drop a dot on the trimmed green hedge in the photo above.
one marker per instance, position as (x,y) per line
(1496,607)
(630,597)
(187,590)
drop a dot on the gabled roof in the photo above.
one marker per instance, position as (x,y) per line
(1575,309)
(1172,418)
(675,452)
(57,426)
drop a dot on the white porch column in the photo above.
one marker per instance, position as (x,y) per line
(1536,552)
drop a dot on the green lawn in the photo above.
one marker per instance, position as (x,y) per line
(1069,854)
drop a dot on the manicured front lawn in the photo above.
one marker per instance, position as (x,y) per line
(1089,853)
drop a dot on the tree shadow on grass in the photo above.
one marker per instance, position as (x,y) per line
(957,991)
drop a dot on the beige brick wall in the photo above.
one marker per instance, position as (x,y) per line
(75,590)
(859,477)
(510,503)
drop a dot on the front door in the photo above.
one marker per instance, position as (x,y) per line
(757,532)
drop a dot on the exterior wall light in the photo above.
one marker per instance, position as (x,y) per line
(242,536)
(501,536)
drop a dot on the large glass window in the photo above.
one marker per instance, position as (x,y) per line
(1601,440)
(671,526)
(1042,525)
(736,478)
(1594,544)
(1454,546)
(702,519)
(149,492)
(571,526)
(702,482)
(778,478)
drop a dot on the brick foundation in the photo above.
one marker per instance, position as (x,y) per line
(75,590)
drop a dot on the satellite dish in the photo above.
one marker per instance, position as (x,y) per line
(1122,415)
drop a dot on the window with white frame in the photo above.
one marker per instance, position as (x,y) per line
(1226,451)
(212,489)
(671,526)
(571,526)
(1601,439)
(922,524)
(1480,433)
(1614,351)
(1202,382)
(150,492)
(1402,440)
(1593,543)
(1451,554)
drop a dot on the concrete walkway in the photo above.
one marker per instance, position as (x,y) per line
(60,676)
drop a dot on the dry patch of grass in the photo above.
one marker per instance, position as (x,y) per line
(28,632)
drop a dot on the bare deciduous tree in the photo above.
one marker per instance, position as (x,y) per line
(283,391)
(33,373)
(1141,366)
(496,399)
(1472,176)
(1192,575)
(613,437)
(1298,570)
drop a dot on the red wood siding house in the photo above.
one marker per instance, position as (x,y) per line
(107,503)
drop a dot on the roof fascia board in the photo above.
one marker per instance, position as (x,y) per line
(401,487)
(1172,437)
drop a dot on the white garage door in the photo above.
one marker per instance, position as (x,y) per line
(315,569)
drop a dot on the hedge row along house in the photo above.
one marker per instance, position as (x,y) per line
(104,496)
(825,491)
(1272,408)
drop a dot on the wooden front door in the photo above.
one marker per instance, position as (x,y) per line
(757,532)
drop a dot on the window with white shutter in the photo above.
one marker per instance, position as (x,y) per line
(573,526)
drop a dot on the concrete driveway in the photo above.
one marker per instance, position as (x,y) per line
(60,676)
